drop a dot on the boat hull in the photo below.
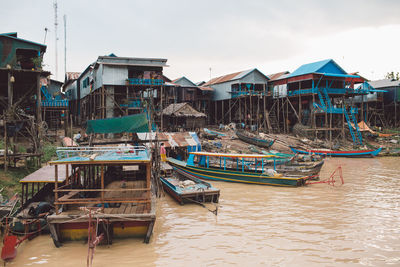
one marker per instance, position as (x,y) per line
(350,154)
(254,141)
(190,197)
(75,231)
(236,176)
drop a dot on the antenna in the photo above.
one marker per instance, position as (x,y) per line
(210,73)
(55,33)
(65,45)
(45,34)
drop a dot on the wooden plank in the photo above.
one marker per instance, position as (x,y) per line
(96,202)
(102,190)
(122,208)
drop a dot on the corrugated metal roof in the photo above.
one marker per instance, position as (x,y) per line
(183,81)
(384,83)
(72,75)
(205,88)
(275,76)
(13,35)
(132,61)
(315,67)
(225,78)
(232,77)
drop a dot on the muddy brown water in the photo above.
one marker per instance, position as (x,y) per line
(318,225)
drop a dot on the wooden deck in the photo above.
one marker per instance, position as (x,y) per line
(124,209)
(127,208)
(46,174)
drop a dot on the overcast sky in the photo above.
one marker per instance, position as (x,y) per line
(226,36)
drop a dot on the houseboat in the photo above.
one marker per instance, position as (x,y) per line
(108,185)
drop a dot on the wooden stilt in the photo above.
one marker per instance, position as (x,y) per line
(5,143)
(149,232)
(56,187)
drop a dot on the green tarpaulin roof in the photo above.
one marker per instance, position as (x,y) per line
(137,123)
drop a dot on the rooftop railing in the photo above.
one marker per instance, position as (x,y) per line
(68,152)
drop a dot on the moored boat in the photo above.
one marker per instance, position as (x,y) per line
(239,168)
(247,138)
(338,153)
(112,185)
(185,188)
(304,169)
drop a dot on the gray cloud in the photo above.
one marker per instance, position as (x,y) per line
(196,34)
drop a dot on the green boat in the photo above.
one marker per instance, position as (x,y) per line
(239,168)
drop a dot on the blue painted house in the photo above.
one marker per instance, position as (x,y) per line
(315,90)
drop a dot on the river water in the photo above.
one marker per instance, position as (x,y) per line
(357,223)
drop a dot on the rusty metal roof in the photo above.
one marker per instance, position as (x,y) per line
(222,79)
(231,77)
(72,75)
(277,75)
(205,88)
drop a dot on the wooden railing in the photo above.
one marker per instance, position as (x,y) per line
(69,196)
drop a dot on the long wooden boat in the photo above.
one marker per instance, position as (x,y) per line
(239,168)
(189,189)
(304,169)
(112,184)
(338,153)
(254,140)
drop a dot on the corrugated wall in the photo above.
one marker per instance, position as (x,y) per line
(115,75)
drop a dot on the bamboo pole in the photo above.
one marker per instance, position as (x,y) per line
(102,185)
(5,143)
(56,187)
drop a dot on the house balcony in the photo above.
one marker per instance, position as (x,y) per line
(247,93)
(132,104)
(330,91)
(55,103)
(137,81)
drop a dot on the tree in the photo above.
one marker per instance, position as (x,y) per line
(393,76)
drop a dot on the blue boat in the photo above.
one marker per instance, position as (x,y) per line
(186,188)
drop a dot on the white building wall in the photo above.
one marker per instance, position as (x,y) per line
(114,75)
(98,77)
(85,89)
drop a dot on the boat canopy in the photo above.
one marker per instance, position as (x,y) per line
(102,155)
(225,155)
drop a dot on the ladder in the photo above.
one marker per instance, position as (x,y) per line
(322,100)
(354,111)
(356,139)
(46,93)
(328,102)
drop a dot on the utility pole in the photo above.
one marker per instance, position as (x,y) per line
(56,38)
(65,45)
